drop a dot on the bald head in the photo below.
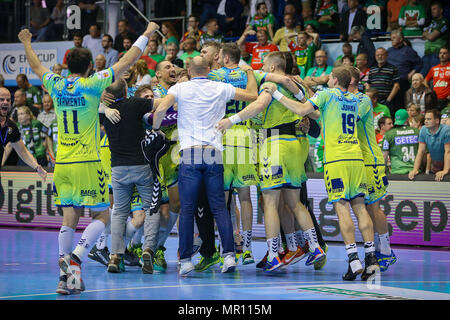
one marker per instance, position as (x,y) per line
(5,102)
(198,67)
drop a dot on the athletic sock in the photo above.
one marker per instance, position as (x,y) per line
(273,244)
(376,240)
(385,244)
(369,247)
(88,238)
(311,237)
(291,242)
(300,238)
(137,238)
(101,242)
(352,251)
(280,245)
(247,240)
(130,230)
(165,232)
(65,241)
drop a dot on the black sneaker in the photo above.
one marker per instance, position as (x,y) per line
(99,255)
(130,259)
(371,266)
(354,268)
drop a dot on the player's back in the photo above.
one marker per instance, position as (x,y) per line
(402,144)
(76,102)
(339,113)
(371,152)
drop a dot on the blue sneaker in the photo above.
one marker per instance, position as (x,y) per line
(385,260)
(273,264)
(317,255)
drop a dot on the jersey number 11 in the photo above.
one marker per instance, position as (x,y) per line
(74,121)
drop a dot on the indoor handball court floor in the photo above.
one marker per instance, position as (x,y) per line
(29,271)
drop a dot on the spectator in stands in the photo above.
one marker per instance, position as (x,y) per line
(380,9)
(2,81)
(246,57)
(384,77)
(445,117)
(111,54)
(348,60)
(229,17)
(100,63)
(384,124)
(142,75)
(189,50)
(48,115)
(20,100)
(58,13)
(263,20)
(318,76)
(304,53)
(435,36)
(193,31)
(172,52)
(208,10)
(93,40)
(365,44)
(400,145)
(77,43)
(308,18)
(289,28)
(123,31)
(436,138)
(127,43)
(258,50)
(346,50)
(407,62)
(353,17)
(417,121)
(412,18)
(35,136)
(152,57)
(393,11)
(34,96)
(57,68)
(89,11)
(39,21)
(413,110)
(441,79)
(327,16)
(362,65)
(423,97)
(170,34)
(289,8)
(379,110)
(212,33)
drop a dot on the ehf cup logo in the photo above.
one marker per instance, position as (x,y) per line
(8,63)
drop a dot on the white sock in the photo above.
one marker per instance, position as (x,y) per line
(311,237)
(247,240)
(300,238)
(352,251)
(273,244)
(385,244)
(369,247)
(137,238)
(65,241)
(376,239)
(101,242)
(88,238)
(129,233)
(280,245)
(291,242)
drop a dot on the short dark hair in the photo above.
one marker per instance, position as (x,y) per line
(260,4)
(436,113)
(78,60)
(142,88)
(350,57)
(437,3)
(232,50)
(110,39)
(195,17)
(123,20)
(382,121)
(127,37)
(77,34)
(22,76)
(118,88)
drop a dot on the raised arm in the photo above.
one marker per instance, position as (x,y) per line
(161,110)
(251,91)
(135,51)
(33,60)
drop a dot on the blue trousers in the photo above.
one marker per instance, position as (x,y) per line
(198,166)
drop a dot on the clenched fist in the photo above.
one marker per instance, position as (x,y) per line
(25,36)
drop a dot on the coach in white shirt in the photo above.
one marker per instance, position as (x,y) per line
(201,105)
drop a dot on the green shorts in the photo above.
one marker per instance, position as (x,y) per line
(239,159)
(345,180)
(279,165)
(170,163)
(304,146)
(377,183)
(81,185)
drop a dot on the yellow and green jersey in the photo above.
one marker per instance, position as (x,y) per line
(276,113)
(339,113)
(76,102)
(371,152)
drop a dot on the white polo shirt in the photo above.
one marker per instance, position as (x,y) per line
(201,105)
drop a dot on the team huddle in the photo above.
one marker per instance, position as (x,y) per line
(265,145)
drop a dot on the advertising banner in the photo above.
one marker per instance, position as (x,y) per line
(417,211)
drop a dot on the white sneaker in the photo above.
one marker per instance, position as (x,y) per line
(229,264)
(186,266)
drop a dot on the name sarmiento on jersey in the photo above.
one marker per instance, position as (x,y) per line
(65,101)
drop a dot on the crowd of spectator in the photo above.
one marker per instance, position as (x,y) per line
(410,93)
